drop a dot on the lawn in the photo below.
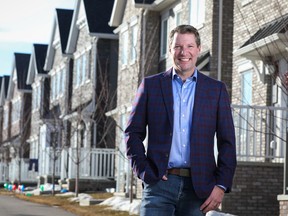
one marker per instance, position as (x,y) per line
(74,207)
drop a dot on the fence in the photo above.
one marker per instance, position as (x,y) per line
(94,163)
(261,132)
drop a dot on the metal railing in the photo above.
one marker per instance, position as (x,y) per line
(260,132)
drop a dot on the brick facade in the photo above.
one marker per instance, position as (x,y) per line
(255,189)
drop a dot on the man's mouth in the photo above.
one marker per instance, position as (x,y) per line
(184,59)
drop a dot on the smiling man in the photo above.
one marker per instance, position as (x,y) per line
(183,110)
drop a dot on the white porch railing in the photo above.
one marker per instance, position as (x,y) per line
(260,132)
(17,170)
(93,163)
(46,161)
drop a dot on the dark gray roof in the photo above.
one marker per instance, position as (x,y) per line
(201,58)
(98,13)
(279,25)
(144,1)
(6,84)
(64,18)
(22,61)
(40,51)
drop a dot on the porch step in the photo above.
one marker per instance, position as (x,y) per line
(88,202)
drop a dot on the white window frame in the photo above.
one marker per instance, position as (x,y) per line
(245,88)
(134,39)
(197,13)
(6,117)
(178,14)
(16,110)
(125,46)
(164,46)
(36,96)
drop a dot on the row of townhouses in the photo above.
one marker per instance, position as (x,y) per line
(65,105)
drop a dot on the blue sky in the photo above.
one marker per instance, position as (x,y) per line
(24,22)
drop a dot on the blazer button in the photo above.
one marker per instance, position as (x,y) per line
(167,155)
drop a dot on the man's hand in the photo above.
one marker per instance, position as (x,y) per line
(213,201)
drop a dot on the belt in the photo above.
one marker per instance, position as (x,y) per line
(179,172)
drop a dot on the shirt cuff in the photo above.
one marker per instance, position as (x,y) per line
(222,187)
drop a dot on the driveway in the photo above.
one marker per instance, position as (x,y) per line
(12,206)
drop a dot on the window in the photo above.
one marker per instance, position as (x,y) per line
(78,72)
(178,14)
(133,48)
(81,73)
(53,87)
(164,37)
(6,115)
(58,82)
(63,80)
(246,87)
(16,108)
(36,97)
(197,12)
(124,56)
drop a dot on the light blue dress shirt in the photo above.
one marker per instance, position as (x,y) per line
(183,97)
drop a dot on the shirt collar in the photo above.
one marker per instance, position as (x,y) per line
(192,78)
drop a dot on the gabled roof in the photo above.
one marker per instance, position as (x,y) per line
(21,68)
(153,5)
(64,18)
(37,61)
(4,89)
(97,14)
(61,25)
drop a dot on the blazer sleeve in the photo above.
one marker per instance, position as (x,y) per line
(226,162)
(135,132)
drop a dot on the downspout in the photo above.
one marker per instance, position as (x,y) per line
(143,34)
(94,101)
(219,66)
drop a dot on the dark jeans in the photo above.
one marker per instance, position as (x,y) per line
(174,197)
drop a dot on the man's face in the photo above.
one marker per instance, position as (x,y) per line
(184,52)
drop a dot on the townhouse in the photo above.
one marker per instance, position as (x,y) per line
(72,82)
(84,81)
(259,65)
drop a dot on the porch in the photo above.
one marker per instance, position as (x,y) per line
(93,164)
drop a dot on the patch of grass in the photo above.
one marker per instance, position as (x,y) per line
(74,207)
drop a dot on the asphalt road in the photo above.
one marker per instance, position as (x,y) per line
(11,206)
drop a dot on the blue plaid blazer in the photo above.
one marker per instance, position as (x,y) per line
(153,107)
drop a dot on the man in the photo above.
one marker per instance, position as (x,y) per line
(183,110)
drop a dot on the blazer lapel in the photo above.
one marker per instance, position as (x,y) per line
(166,87)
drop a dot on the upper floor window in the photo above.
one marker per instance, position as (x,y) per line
(82,69)
(178,14)
(63,80)
(16,108)
(6,117)
(133,46)
(246,87)
(164,37)
(124,53)
(197,12)
(53,87)
(36,97)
